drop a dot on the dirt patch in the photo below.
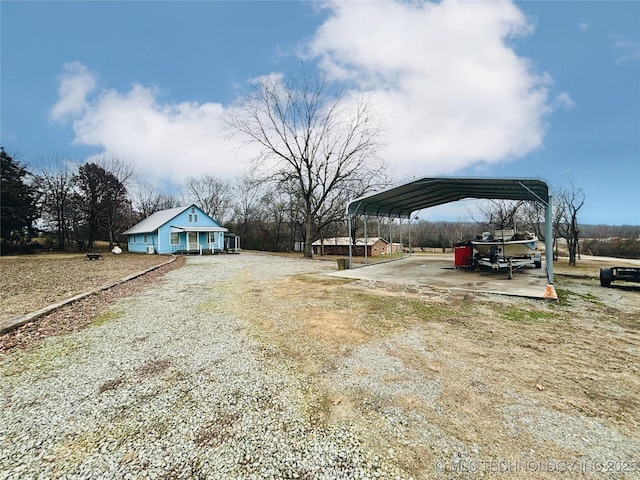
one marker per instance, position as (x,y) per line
(85,311)
(31,282)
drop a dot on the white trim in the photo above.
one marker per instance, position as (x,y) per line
(197,229)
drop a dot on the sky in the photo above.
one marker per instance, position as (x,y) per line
(535,89)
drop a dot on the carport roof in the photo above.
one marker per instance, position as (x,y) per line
(401,201)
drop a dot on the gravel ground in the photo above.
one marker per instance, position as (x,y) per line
(235,366)
(171,384)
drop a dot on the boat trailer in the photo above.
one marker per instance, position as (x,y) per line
(465,258)
(629,274)
(497,262)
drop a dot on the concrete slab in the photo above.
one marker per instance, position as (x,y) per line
(440,272)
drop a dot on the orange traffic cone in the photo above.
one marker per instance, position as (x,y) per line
(550,292)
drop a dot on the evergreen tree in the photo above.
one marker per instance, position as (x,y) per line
(18,205)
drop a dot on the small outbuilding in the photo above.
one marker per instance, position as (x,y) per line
(177,230)
(340,246)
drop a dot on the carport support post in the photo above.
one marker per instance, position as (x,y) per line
(379,245)
(401,249)
(548,238)
(349,228)
(366,240)
(409,235)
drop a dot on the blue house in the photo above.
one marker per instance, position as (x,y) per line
(177,230)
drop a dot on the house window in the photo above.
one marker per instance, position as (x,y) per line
(144,238)
(193,210)
(175,238)
(212,237)
(195,218)
(191,218)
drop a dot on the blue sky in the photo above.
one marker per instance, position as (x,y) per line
(525,89)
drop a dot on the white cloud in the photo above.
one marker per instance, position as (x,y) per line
(75,84)
(162,140)
(564,100)
(584,26)
(453,90)
(626,51)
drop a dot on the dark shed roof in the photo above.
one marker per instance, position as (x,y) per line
(404,199)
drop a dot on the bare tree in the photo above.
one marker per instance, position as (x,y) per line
(122,170)
(55,182)
(147,199)
(211,194)
(247,195)
(499,213)
(518,214)
(534,218)
(565,222)
(276,203)
(310,136)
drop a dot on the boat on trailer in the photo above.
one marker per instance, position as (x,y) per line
(509,242)
(506,248)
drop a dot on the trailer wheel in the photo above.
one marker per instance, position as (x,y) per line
(606,276)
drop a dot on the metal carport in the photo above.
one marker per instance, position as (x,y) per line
(401,201)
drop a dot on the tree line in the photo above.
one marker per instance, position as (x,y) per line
(67,205)
(64,205)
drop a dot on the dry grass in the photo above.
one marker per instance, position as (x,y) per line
(578,358)
(90,309)
(30,282)
(589,267)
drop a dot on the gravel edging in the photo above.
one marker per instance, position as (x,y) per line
(15,322)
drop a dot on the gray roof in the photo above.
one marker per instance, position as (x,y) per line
(156,220)
(401,201)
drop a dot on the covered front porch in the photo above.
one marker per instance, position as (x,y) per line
(197,239)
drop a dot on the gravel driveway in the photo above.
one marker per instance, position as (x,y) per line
(237,366)
(170,383)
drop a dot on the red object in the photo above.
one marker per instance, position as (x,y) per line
(462,255)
